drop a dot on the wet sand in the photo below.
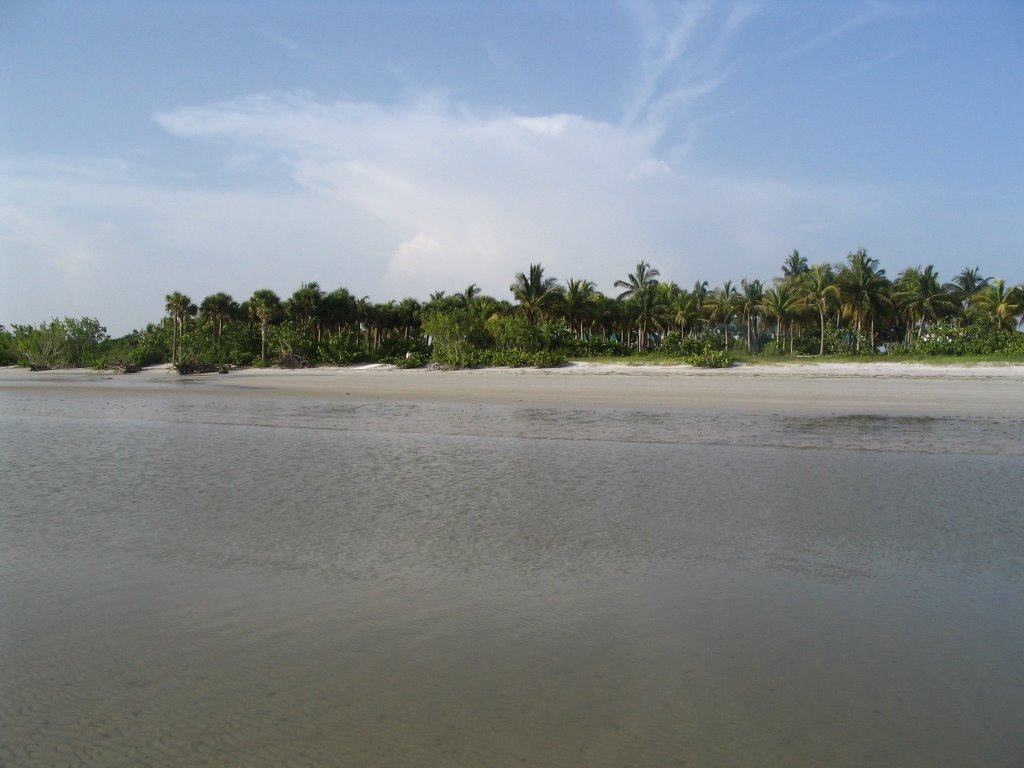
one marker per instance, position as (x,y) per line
(598,565)
(889,389)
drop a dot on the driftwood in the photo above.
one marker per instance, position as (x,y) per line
(291,361)
(189,367)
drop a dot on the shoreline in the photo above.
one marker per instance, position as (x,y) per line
(838,388)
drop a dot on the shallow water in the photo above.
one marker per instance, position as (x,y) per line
(241,579)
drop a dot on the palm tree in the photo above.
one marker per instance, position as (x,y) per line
(721,304)
(408,316)
(607,313)
(338,310)
(578,303)
(781,302)
(818,289)
(864,290)
(469,295)
(216,309)
(640,292)
(1001,304)
(793,267)
(265,305)
(305,306)
(919,295)
(439,302)
(537,295)
(700,292)
(753,293)
(664,302)
(684,311)
(178,306)
(380,320)
(966,285)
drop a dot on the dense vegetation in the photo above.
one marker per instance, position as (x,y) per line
(846,309)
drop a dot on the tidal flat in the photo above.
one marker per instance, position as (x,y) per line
(589,566)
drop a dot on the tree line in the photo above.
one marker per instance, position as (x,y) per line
(847,308)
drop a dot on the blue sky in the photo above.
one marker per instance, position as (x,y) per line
(399,148)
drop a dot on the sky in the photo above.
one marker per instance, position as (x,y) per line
(402,148)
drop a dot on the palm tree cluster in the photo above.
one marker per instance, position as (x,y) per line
(804,304)
(855,296)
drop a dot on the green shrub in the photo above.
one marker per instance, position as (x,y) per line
(336,349)
(595,346)
(409,360)
(514,332)
(711,358)
(982,337)
(675,344)
(773,349)
(547,358)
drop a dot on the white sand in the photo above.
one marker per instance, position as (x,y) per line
(864,388)
(842,388)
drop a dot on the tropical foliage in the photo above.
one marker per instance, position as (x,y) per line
(71,342)
(845,308)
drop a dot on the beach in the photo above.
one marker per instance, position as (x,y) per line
(890,389)
(597,565)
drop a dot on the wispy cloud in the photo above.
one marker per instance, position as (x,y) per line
(664,41)
(874,63)
(287,44)
(871,13)
(688,51)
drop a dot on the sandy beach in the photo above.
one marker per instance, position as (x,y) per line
(814,388)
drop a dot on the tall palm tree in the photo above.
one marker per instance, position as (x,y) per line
(781,302)
(918,294)
(640,293)
(178,306)
(469,295)
(305,306)
(665,298)
(752,294)
(578,303)
(1002,304)
(684,311)
(966,285)
(537,295)
(864,290)
(818,290)
(440,302)
(721,304)
(217,308)
(794,267)
(408,317)
(380,320)
(607,314)
(338,310)
(264,305)
(700,292)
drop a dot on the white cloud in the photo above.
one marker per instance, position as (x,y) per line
(405,199)
(474,197)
